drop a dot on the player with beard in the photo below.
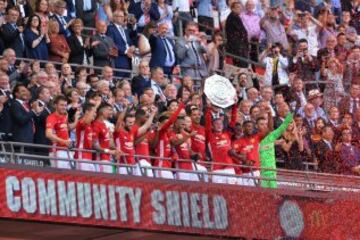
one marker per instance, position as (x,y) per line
(144,116)
(219,142)
(198,144)
(180,140)
(84,138)
(162,144)
(57,131)
(102,138)
(128,130)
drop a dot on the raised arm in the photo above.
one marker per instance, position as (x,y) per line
(279,131)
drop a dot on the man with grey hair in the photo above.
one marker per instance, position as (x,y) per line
(63,21)
(102,46)
(15,74)
(190,53)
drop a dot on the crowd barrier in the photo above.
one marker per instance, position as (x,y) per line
(26,154)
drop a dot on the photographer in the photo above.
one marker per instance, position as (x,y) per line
(276,65)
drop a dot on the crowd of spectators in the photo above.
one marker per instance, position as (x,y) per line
(309,50)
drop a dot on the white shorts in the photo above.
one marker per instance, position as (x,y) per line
(59,163)
(224,179)
(203,170)
(164,174)
(104,168)
(192,176)
(84,166)
(245,181)
(143,171)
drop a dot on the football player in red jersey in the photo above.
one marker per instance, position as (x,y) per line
(102,139)
(219,142)
(57,131)
(246,149)
(161,143)
(127,131)
(84,138)
(180,140)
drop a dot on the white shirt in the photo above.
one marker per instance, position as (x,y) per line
(156,88)
(123,35)
(183,5)
(311,35)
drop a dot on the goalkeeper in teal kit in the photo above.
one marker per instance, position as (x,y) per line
(267,153)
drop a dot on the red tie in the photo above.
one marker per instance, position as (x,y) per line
(26,106)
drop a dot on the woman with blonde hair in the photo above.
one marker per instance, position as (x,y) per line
(59,48)
(332,71)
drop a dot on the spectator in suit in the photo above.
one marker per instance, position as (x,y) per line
(64,21)
(36,41)
(190,53)
(22,115)
(142,81)
(24,7)
(144,11)
(157,82)
(12,34)
(350,103)
(92,80)
(162,50)
(59,50)
(121,36)
(43,99)
(323,151)
(348,154)
(102,46)
(79,46)
(86,11)
(5,105)
(16,74)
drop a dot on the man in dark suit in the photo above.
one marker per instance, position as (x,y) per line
(16,74)
(121,36)
(12,34)
(43,99)
(63,21)
(142,81)
(86,10)
(349,104)
(162,50)
(5,105)
(323,150)
(23,115)
(23,5)
(145,11)
(348,154)
(102,46)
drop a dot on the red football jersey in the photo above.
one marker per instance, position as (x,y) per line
(102,134)
(198,143)
(84,140)
(220,145)
(59,125)
(124,140)
(250,147)
(183,151)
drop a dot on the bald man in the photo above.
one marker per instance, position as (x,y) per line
(102,46)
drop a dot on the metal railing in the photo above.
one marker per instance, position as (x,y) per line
(19,153)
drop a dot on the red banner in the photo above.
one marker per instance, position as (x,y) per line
(175,206)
